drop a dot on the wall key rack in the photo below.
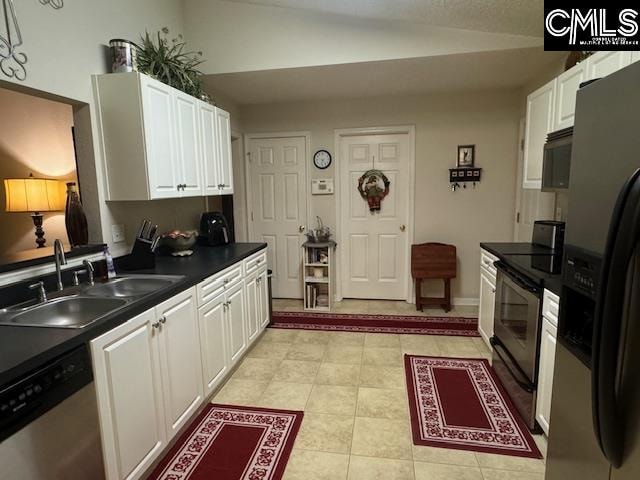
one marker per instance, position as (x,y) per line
(459,177)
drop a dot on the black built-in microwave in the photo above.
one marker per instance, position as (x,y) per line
(557,160)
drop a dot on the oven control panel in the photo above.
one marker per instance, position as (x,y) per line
(32,395)
(581,271)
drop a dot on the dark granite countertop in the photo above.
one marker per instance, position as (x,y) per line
(24,348)
(524,257)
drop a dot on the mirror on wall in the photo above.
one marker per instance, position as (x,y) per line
(37,160)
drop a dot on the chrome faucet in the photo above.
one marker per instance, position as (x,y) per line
(60,259)
(89,268)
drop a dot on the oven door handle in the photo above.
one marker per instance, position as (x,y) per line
(517,279)
(524,383)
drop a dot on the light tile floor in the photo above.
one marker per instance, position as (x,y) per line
(352,389)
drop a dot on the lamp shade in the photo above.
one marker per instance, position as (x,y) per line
(34,195)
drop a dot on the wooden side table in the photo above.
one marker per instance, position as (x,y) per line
(433,261)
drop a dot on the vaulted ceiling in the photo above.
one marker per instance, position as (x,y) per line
(520,17)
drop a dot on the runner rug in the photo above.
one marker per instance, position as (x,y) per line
(342,322)
(232,443)
(460,403)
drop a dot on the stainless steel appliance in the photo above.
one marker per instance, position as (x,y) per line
(214,229)
(556,160)
(548,233)
(49,427)
(595,413)
(516,337)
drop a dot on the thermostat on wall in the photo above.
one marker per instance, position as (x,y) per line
(322,186)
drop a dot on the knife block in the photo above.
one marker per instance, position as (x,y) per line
(141,256)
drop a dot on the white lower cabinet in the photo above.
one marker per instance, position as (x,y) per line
(263,299)
(487,301)
(153,372)
(236,321)
(213,342)
(126,369)
(253,319)
(548,337)
(180,361)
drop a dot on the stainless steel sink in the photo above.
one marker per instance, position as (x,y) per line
(65,312)
(131,286)
(77,307)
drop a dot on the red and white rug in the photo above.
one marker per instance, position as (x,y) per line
(232,443)
(343,322)
(459,403)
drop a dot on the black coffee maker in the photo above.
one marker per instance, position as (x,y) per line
(214,229)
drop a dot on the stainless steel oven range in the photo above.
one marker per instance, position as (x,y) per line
(516,338)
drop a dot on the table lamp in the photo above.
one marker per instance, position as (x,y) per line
(35,195)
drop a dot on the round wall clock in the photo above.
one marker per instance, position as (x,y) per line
(322,159)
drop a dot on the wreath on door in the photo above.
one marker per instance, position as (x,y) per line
(373,187)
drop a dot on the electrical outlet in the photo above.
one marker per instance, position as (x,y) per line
(117,233)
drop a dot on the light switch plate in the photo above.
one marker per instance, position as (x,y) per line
(117,233)
(322,186)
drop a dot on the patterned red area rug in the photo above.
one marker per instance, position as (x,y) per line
(459,403)
(232,443)
(342,322)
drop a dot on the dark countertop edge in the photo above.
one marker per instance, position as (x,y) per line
(553,284)
(41,260)
(112,321)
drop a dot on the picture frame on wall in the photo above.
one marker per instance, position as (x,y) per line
(466,156)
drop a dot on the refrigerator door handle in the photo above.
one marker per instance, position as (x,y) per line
(622,241)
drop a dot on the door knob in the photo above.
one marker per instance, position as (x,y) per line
(301,228)
(402,228)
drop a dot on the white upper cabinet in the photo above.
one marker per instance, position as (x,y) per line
(188,143)
(567,86)
(601,64)
(159,142)
(635,56)
(157,103)
(539,123)
(209,134)
(223,123)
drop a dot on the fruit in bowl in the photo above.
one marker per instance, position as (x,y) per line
(179,242)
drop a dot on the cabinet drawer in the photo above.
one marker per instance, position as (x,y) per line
(486,261)
(254,262)
(550,307)
(218,283)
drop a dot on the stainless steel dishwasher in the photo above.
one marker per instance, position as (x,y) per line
(49,422)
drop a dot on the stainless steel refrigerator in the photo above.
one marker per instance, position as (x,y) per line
(595,413)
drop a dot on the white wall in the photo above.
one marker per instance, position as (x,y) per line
(35,137)
(245,37)
(464,218)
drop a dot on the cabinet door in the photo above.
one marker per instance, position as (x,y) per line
(159,130)
(213,342)
(545,377)
(189,170)
(635,56)
(252,315)
(209,148)
(263,300)
(225,167)
(236,320)
(601,64)
(567,87)
(129,393)
(486,307)
(180,359)
(539,123)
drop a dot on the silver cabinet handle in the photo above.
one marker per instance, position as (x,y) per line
(163,320)
(155,325)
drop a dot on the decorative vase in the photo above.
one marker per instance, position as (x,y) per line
(123,55)
(74,218)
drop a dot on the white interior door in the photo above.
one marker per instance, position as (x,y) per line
(374,246)
(278,192)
